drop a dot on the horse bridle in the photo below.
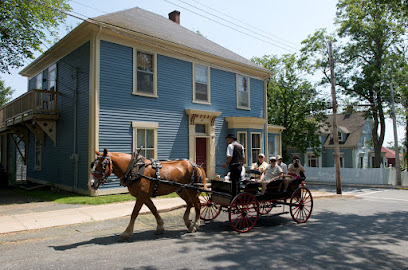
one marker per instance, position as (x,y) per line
(107,168)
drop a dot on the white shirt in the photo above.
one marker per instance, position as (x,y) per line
(230,150)
(284,167)
(272,172)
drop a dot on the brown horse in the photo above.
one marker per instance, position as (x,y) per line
(181,171)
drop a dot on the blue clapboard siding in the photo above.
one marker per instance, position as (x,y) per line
(328,157)
(119,108)
(56,164)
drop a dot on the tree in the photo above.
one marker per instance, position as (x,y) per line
(293,103)
(24,26)
(5,93)
(372,37)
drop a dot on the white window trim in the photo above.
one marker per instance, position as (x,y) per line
(208,86)
(246,144)
(341,156)
(135,92)
(307,159)
(342,136)
(145,125)
(249,92)
(260,145)
(50,69)
(39,75)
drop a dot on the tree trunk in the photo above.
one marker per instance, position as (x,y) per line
(379,120)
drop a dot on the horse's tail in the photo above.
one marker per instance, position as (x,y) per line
(199,175)
(202,176)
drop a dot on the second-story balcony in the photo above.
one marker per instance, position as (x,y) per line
(35,111)
(33,105)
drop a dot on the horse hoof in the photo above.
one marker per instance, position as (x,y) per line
(192,229)
(124,238)
(159,232)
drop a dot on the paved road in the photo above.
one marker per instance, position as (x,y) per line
(368,232)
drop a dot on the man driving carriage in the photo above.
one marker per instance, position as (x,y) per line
(235,160)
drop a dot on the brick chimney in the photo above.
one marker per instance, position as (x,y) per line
(175,16)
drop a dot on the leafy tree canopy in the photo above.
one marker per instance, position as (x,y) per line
(293,103)
(5,93)
(369,48)
(24,26)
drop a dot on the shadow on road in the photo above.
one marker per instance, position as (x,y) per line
(328,240)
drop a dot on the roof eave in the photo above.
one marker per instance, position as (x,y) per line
(64,46)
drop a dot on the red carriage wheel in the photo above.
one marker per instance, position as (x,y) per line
(243,212)
(301,205)
(209,210)
(265,207)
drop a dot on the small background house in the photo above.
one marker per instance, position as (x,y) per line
(356,150)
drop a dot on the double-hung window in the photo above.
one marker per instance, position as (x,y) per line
(201,84)
(52,77)
(145,74)
(242,139)
(145,138)
(39,81)
(312,160)
(243,101)
(255,146)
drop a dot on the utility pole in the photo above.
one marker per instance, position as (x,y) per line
(335,129)
(396,148)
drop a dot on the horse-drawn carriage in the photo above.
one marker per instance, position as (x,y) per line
(146,178)
(245,208)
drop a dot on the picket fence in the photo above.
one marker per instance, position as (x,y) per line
(369,176)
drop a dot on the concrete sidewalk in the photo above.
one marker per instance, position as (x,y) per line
(31,216)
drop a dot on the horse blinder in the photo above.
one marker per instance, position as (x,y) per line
(99,177)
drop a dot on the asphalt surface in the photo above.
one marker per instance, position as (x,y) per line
(367,232)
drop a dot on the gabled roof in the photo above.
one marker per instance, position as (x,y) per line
(388,152)
(154,29)
(352,124)
(149,23)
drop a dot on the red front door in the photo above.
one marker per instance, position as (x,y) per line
(201,152)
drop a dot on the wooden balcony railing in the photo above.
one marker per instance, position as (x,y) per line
(31,103)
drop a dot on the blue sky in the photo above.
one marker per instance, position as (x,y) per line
(282,25)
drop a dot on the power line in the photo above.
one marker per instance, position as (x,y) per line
(283,48)
(262,31)
(88,6)
(113,28)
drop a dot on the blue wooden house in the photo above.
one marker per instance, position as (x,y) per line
(356,149)
(134,78)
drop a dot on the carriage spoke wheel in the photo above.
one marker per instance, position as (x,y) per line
(301,205)
(265,207)
(243,212)
(208,210)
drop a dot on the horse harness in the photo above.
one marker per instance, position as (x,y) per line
(107,168)
(135,172)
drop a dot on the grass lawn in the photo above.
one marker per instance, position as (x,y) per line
(65,197)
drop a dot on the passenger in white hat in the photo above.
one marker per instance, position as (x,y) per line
(282,164)
(260,165)
(272,172)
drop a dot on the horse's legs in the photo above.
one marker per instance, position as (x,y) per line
(160,229)
(129,230)
(197,207)
(186,216)
(192,200)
